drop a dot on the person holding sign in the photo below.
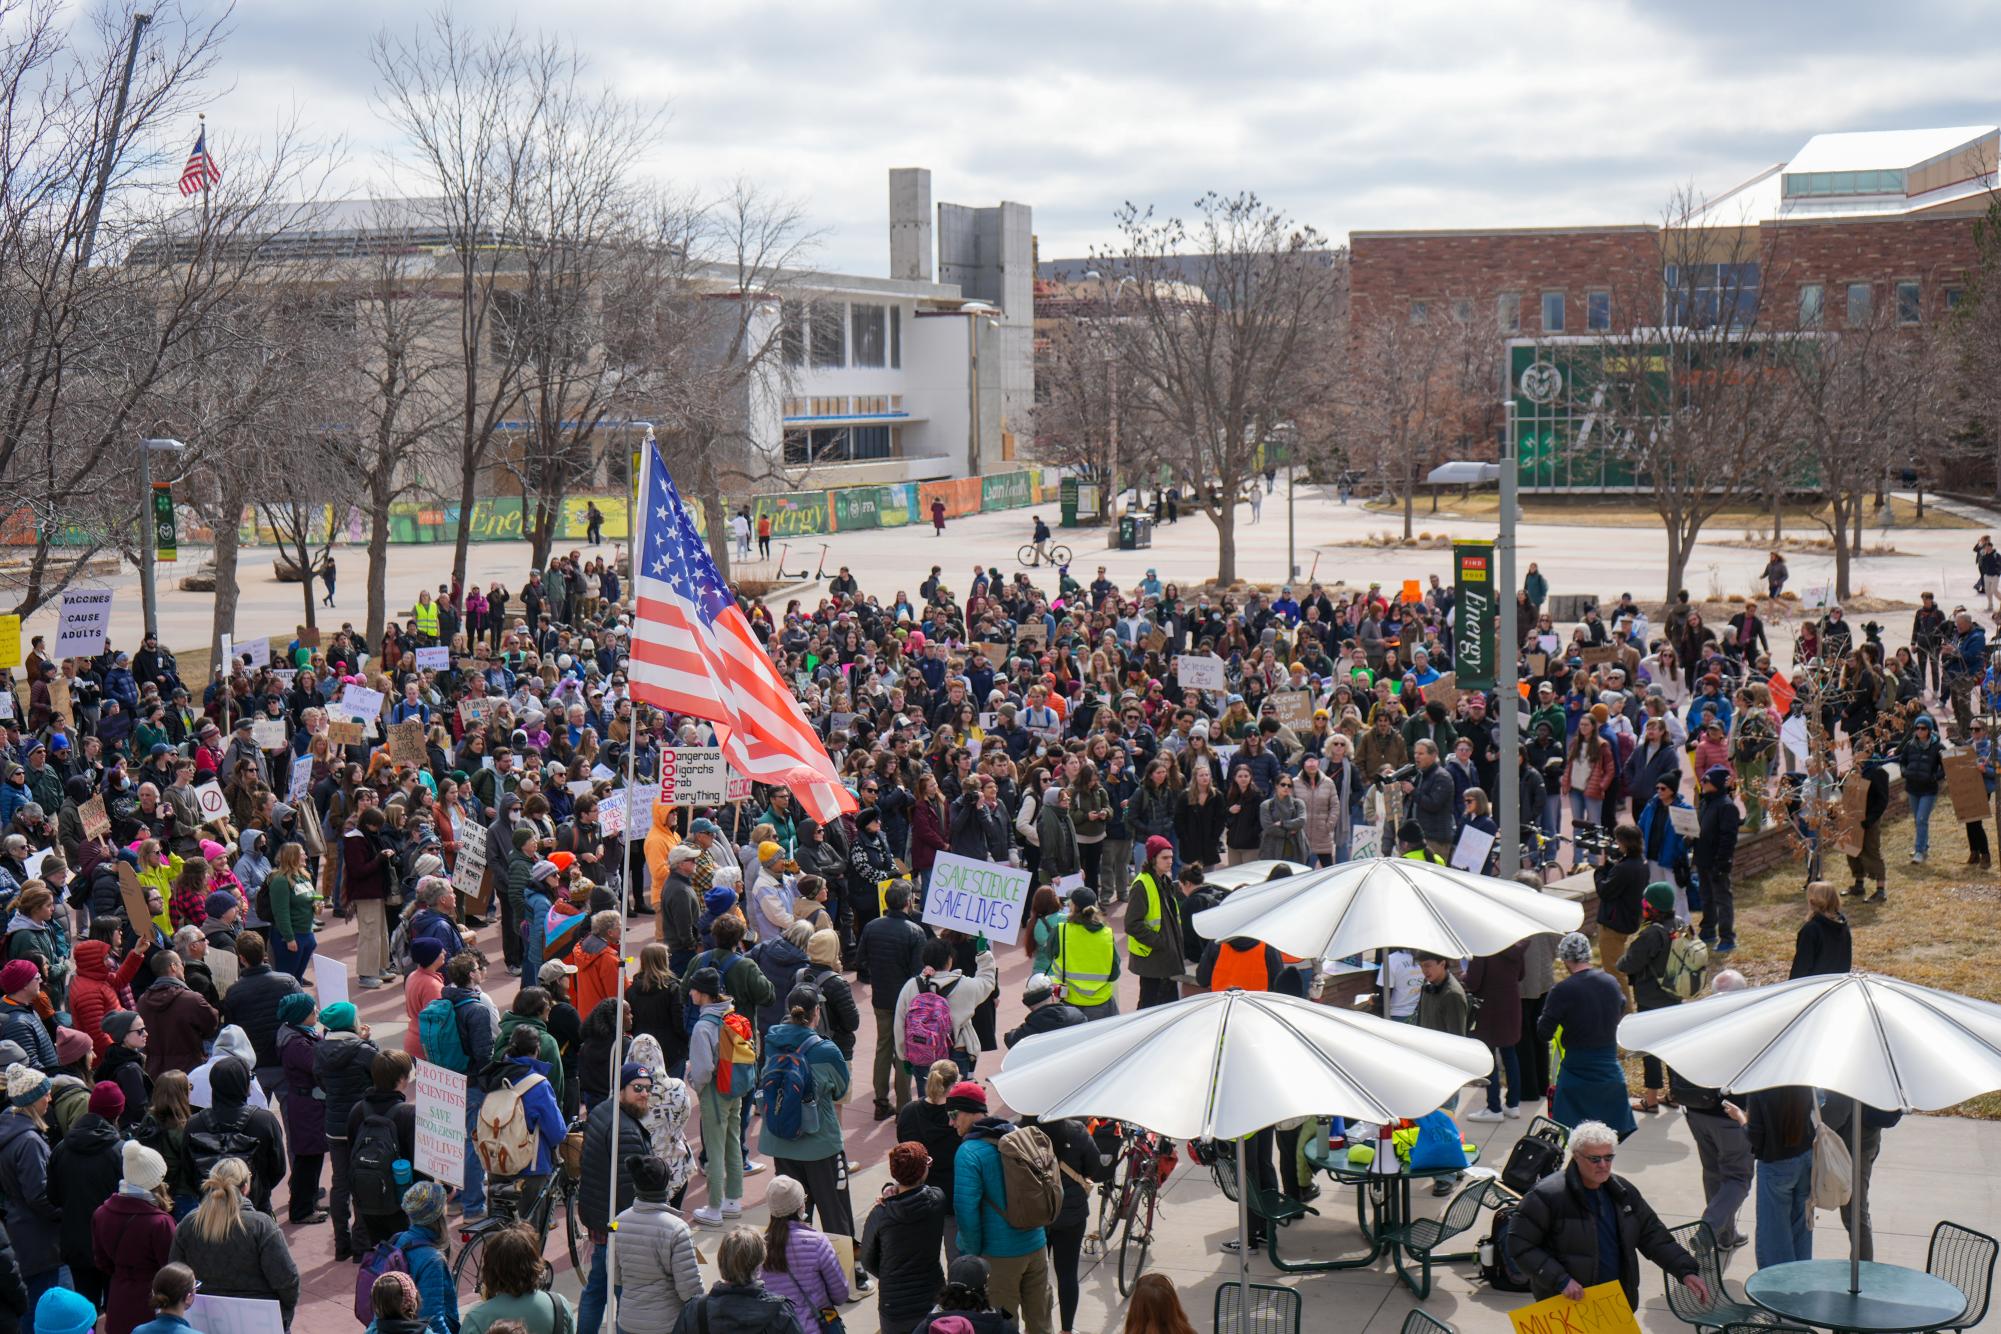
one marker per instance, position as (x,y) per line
(1585,1226)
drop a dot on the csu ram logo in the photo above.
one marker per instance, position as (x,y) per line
(1541,382)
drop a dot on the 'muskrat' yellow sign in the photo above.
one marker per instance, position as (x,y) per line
(1602,1310)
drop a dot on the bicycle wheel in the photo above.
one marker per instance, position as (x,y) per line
(573,1231)
(1059,555)
(1026,555)
(466,1267)
(1136,1238)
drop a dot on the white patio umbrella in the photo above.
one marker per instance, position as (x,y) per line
(1380,902)
(1887,1043)
(1226,1065)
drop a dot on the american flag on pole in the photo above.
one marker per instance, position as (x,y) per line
(693,653)
(200,172)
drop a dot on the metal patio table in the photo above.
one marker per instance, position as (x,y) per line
(1892,1298)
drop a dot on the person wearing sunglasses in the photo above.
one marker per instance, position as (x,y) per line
(1585,1225)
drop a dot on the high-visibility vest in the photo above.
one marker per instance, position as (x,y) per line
(1243,969)
(1136,947)
(426,616)
(1084,960)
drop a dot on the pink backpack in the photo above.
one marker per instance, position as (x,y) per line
(927,1026)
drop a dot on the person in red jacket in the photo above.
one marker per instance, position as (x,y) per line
(131,1234)
(97,991)
(596,960)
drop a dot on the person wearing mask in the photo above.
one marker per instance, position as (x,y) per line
(901,1240)
(1587,1006)
(799,1263)
(1720,1143)
(132,1235)
(1780,1125)
(341,1065)
(512,1286)
(738,1303)
(1824,944)
(1584,1226)
(234,1245)
(1018,1269)
(1644,963)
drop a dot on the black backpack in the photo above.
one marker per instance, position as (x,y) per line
(371,1166)
(206,1148)
(1495,1265)
(1533,1158)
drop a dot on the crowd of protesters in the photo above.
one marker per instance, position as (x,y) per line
(173,848)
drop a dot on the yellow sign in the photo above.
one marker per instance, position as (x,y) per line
(1602,1310)
(10,642)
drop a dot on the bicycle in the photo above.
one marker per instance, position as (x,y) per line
(1127,1203)
(503,1203)
(1055,554)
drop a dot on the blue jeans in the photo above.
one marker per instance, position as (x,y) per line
(473,1198)
(1921,815)
(1511,1066)
(1785,1211)
(293,957)
(37,1284)
(590,1303)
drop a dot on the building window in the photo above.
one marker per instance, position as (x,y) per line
(1462,310)
(896,338)
(1910,304)
(1508,312)
(1813,305)
(1858,304)
(792,334)
(830,343)
(1801,184)
(1552,312)
(1953,296)
(1701,295)
(1598,311)
(838,444)
(871,334)
(1420,312)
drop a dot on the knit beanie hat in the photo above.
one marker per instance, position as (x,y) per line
(425,1204)
(26,1085)
(966,1096)
(144,1168)
(72,1046)
(1574,948)
(17,975)
(218,903)
(61,1311)
(426,952)
(1660,897)
(522,833)
(118,1024)
(293,1008)
(107,1100)
(785,1198)
(339,1017)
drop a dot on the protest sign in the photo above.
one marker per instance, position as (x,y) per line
(693,776)
(96,821)
(1294,708)
(309,635)
(1156,641)
(434,659)
(10,642)
(345,732)
(1968,790)
(270,734)
(300,782)
(1199,673)
(7,704)
(1597,653)
(1471,852)
(972,897)
(469,873)
(1367,841)
(1445,690)
(60,705)
(1413,591)
(441,1122)
(1602,1310)
(359,702)
(85,623)
(1854,805)
(210,802)
(235,1315)
(133,895)
(1685,821)
(1031,631)
(474,710)
(1064,884)
(256,652)
(611,814)
(1538,664)
(406,743)
(738,788)
(994,652)
(989,721)
(330,979)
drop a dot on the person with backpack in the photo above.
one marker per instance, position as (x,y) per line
(934,1012)
(341,1073)
(1645,963)
(737,1303)
(419,1251)
(799,1263)
(424,984)
(530,1009)
(654,1268)
(748,989)
(457,1030)
(304,1106)
(600,1204)
(233,1245)
(722,1060)
(230,1128)
(521,1126)
(1005,1191)
(381,1131)
(839,1019)
(803,1082)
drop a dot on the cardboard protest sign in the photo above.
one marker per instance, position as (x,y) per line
(973,896)
(96,820)
(1602,1310)
(1156,641)
(1445,690)
(270,734)
(406,743)
(1031,632)
(1854,805)
(469,876)
(1538,664)
(133,895)
(474,710)
(1205,673)
(309,636)
(993,652)
(1968,790)
(1294,708)
(1597,653)
(345,732)
(1685,821)
(60,704)
(360,702)
(693,776)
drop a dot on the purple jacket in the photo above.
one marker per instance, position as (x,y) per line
(812,1280)
(305,1106)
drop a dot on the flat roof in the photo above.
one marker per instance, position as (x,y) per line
(1869,150)
(1608,227)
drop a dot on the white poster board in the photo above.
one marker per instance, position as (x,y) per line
(271,734)
(85,623)
(210,802)
(645,796)
(330,980)
(300,782)
(434,659)
(441,1122)
(256,651)
(611,815)
(359,702)
(235,1315)
(470,867)
(693,776)
(1685,821)
(1471,852)
(972,897)
(1067,883)
(1199,673)
(1365,841)
(1794,737)
(738,787)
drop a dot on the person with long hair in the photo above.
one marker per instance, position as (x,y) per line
(1780,1122)
(131,1236)
(1046,915)
(511,1288)
(654,996)
(1588,770)
(1824,944)
(237,1249)
(814,1157)
(1199,818)
(164,1129)
(799,1263)
(925,1121)
(1156,1308)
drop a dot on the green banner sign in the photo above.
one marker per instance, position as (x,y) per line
(166,544)
(1473,613)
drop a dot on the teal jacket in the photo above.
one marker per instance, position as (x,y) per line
(978,1192)
(830,1081)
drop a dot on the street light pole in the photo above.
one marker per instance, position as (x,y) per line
(1508,655)
(149,597)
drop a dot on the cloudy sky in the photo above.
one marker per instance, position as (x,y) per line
(1403,114)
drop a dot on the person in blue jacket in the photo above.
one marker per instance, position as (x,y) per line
(1018,1278)
(423,1250)
(1666,850)
(544,1113)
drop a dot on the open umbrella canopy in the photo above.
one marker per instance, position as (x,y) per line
(1381,902)
(1223,1065)
(1888,1043)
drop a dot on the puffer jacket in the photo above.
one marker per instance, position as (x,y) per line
(83,1172)
(21,1025)
(901,1245)
(731,1308)
(780,961)
(1555,1237)
(653,1268)
(830,1086)
(978,1193)
(812,1279)
(305,1100)
(94,991)
(598,1210)
(252,1005)
(341,1070)
(127,1068)
(29,1210)
(252,1261)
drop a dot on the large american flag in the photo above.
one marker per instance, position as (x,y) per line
(201,172)
(693,653)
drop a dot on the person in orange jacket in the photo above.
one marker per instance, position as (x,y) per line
(597,963)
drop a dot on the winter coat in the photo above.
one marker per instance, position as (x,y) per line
(1555,1237)
(1198,828)
(178,1022)
(830,1087)
(892,947)
(252,1261)
(1494,981)
(305,1101)
(341,1071)
(733,1309)
(1166,957)
(426,1258)
(1823,947)
(978,1192)
(653,1268)
(127,1069)
(1283,829)
(780,961)
(83,1172)
(131,1238)
(21,1025)
(229,1084)
(963,995)
(94,991)
(1057,836)
(929,834)
(1434,805)
(252,1005)
(902,1245)
(30,1213)
(838,1015)
(1644,963)
(598,1209)
(811,1280)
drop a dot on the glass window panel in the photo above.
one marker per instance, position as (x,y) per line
(1552,312)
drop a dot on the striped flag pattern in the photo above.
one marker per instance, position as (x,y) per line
(200,172)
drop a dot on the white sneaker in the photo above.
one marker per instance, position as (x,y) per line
(732,1208)
(707,1217)
(1513,1113)
(1483,1114)
(752,1168)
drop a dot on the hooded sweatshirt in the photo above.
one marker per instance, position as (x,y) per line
(231,1041)
(964,994)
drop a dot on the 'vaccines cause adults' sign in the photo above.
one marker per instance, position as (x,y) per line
(972,897)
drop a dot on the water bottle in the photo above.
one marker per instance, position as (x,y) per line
(401,1170)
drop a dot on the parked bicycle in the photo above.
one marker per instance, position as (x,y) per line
(505,1207)
(1130,1197)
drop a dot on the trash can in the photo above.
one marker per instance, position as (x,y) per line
(1129,532)
(1142,533)
(1066,500)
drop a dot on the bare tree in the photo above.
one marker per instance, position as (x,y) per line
(1089,416)
(1976,349)
(1216,327)
(1416,382)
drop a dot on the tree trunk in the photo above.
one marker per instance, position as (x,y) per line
(717,520)
(1409,500)
(1677,563)
(1858,529)
(228,554)
(1919,517)
(468,484)
(1778,518)
(1434,500)
(378,560)
(1841,552)
(542,533)
(1226,541)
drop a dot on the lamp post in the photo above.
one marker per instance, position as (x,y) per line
(149,597)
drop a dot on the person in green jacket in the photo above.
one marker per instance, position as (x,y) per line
(531,1010)
(290,889)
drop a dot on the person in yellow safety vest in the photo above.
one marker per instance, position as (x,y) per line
(1087,959)
(1153,927)
(425,614)
(1410,837)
